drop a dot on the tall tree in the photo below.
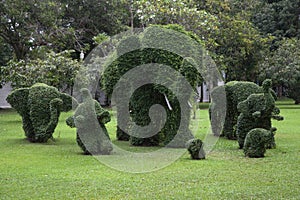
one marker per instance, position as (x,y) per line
(283,66)
(280,18)
(5,56)
(234,42)
(240,45)
(185,13)
(239,42)
(89,18)
(27,25)
(5,52)
(55,69)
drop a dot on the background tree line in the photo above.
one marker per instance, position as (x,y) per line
(243,37)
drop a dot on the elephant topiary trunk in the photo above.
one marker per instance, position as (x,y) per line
(39,106)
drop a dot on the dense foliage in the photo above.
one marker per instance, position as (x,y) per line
(40,107)
(55,69)
(90,119)
(278,17)
(151,94)
(58,24)
(238,34)
(283,67)
(28,25)
(235,93)
(195,148)
(256,142)
(256,112)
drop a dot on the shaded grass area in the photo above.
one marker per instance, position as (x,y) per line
(58,170)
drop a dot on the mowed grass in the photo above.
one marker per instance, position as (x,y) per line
(58,170)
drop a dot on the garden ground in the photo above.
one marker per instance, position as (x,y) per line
(58,170)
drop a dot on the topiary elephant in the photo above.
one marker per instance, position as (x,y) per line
(89,119)
(39,106)
(256,112)
(257,141)
(236,92)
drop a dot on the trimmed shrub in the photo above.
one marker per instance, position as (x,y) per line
(256,142)
(141,101)
(195,148)
(256,112)
(120,65)
(146,96)
(236,92)
(40,106)
(89,119)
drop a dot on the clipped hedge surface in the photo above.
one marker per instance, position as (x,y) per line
(40,106)
(235,93)
(256,142)
(145,97)
(256,112)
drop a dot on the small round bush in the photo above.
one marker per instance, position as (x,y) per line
(195,148)
(256,142)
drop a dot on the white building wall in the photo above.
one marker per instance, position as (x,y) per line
(206,92)
(4,91)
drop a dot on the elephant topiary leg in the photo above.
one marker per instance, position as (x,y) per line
(27,127)
(46,134)
(55,107)
(244,125)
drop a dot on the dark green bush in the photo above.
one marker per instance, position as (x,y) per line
(236,92)
(141,101)
(195,148)
(89,119)
(113,73)
(256,112)
(40,107)
(148,95)
(256,142)
(121,135)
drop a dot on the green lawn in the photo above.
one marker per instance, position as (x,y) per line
(58,170)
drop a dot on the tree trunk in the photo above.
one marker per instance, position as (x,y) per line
(201,93)
(20,51)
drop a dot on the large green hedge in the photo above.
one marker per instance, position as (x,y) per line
(236,91)
(146,96)
(40,107)
(256,112)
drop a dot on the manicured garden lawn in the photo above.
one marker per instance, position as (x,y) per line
(58,170)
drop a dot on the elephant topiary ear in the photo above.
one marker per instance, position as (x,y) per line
(68,102)
(18,99)
(242,107)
